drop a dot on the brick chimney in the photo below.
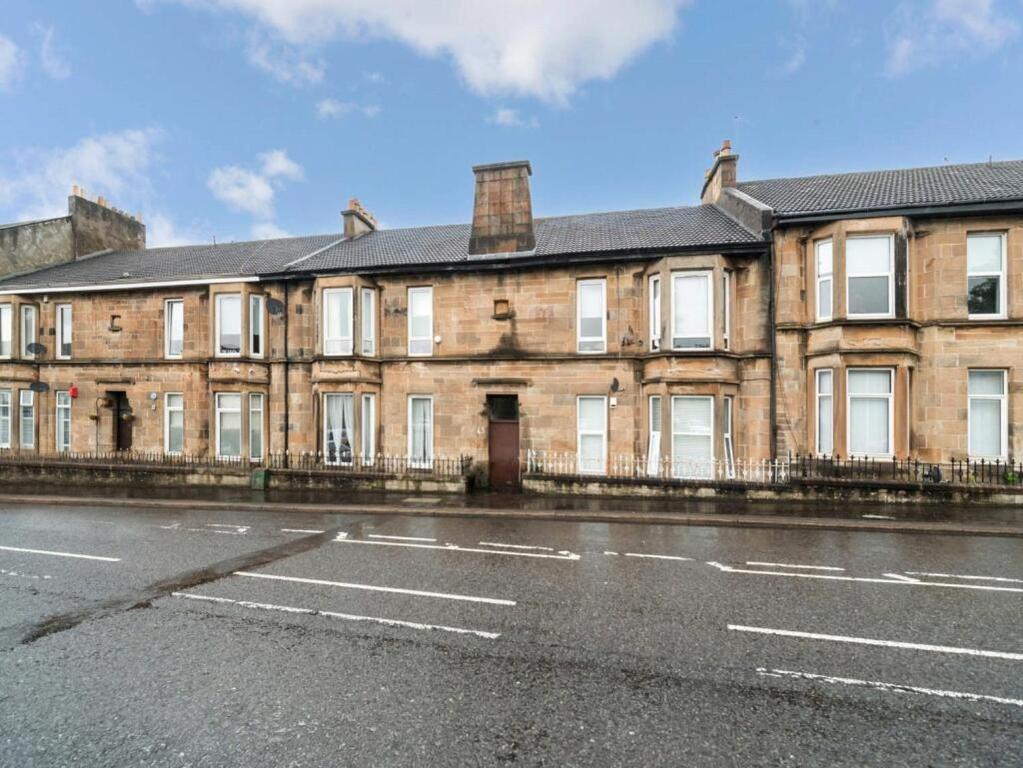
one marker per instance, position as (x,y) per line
(357,220)
(502,214)
(98,227)
(723,174)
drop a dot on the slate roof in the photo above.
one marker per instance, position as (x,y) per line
(905,188)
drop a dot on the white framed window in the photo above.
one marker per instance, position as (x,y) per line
(27,419)
(591,315)
(692,436)
(653,449)
(174,328)
(988,422)
(229,426)
(6,336)
(173,422)
(63,312)
(369,321)
(726,309)
(28,330)
(869,411)
(825,411)
(727,440)
(825,265)
(985,269)
(229,325)
(420,431)
(692,310)
(591,435)
(5,418)
(420,321)
(338,428)
(367,428)
(337,321)
(63,422)
(870,279)
(255,426)
(257,325)
(655,312)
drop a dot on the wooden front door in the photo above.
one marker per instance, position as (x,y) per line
(122,421)
(503,436)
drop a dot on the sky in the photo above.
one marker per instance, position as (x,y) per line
(243,119)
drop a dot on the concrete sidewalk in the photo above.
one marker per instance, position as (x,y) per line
(973,521)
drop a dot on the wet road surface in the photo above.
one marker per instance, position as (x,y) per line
(149,637)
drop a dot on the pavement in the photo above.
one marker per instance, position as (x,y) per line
(219,637)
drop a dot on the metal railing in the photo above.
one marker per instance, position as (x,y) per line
(981,472)
(642,468)
(382,464)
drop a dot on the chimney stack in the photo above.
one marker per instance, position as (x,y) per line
(502,214)
(724,173)
(357,220)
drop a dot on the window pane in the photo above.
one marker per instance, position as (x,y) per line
(868,255)
(984,295)
(689,303)
(175,431)
(175,328)
(824,298)
(691,414)
(256,325)
(868,426)
(368,426)
(870,382)
(825,422)
(824,382)
(28,330)
(421,311)
(985,427)
(591,454)
(229,312)
(984,253)
(28,419)
(824,258)
(337,335)
(422,430)
(655,414)
(368,322)
(64,330)
(987,383)
(591,414)
(5,419)
(230,421)
(339,428)
(5,330)
(256,427)
(868,296)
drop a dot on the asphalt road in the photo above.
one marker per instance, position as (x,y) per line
(152,638)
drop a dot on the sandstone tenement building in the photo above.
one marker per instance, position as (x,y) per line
(856,314)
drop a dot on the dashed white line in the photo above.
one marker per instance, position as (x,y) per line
(900,577)
(515,546)
(301,530)
(374,588)
(878,517)
(968,578)
(342,616)
(795,565)
(891,687)
(883,643)
(399,538)
(454,548)
(656,557)
(62,554)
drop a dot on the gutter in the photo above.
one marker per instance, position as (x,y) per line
(99,287)
(967,209)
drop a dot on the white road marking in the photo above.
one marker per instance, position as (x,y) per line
(884,643)
(301,530)
(864,579)
(399,538)
(892,687)
(972,578)
(795,565)
(878,517)
(238,528)
(372,588)
(900,577)
(343,616)
(608,552)
(455,548)
(62,554)
(5,572)
(231,530)
(515,546)
(655,557)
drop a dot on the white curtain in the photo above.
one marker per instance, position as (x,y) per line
(422,431)
(690,307)
(338,421)
(230,319)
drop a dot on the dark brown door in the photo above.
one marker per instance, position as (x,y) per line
(122,421)
(503,441)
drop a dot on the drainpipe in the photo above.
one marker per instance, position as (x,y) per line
(287,399)
(771,321)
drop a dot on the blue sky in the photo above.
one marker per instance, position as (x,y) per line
(246,118)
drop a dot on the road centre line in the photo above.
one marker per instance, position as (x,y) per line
(515,546)
(972,578)
(62,554)
(900,577)
(399,538)
(372,588)
(342,616)
(454,548)
(891,687)
(883,643)
(655,557)
(794,565)
(301,530)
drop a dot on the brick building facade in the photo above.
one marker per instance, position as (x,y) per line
(855,314)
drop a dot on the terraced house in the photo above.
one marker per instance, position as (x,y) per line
(857,314)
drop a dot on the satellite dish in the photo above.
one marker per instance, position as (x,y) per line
(39,386)
(615,385)
(35,348)
(275,307)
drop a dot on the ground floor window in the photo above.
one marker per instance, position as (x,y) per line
(368,427)
(27,426)
(692,436)
(591,435)
(726,436)
(63,422)
(420,431)
(174,423)
(229,426)
(653,451)
(338,428)
(825,412)
(256,427)
(870,411)
(988,422)
(5,418)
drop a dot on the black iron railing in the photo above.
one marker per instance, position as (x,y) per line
(986,472)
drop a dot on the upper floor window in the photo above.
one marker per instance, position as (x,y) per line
(256,323)
(337,321)
(63,331)
(174,331)
(591,315)
(369,321)
(726,292)
(655,313)
(870,281)
(692,310)
(870,412)
(420,320)
(985,267)
(6,338)
(988,422)
(823,253)
(229,325)
(28,331)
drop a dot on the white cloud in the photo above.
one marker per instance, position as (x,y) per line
(277,164)
(525,47)
(331,107)
(510,118)
(795,61)
(946,29)
(52,61)
(267,230)
(255,192)
(162,232)
(285,63)
(11,62)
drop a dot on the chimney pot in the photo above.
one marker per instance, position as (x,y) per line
(502,216)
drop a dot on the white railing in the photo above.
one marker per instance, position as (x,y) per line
(625,466)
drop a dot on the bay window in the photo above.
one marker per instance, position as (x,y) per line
(6,338)
(173,423)
(591,435)
(825,411)
(870,412)
(256,322)
(229,325)
(870,281)
(824,258)
(985,267)
(5,418)
(367,428)
(988,418)
(337,321)
(63,331)
(369,321)
(255,427)
(591,315)
(420,431)
(420,321)
(338,428)
(28,331)
(174,328)
(692,436)
(63,422)
(27,420)
(655,313)
(692,310)
(229,426)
